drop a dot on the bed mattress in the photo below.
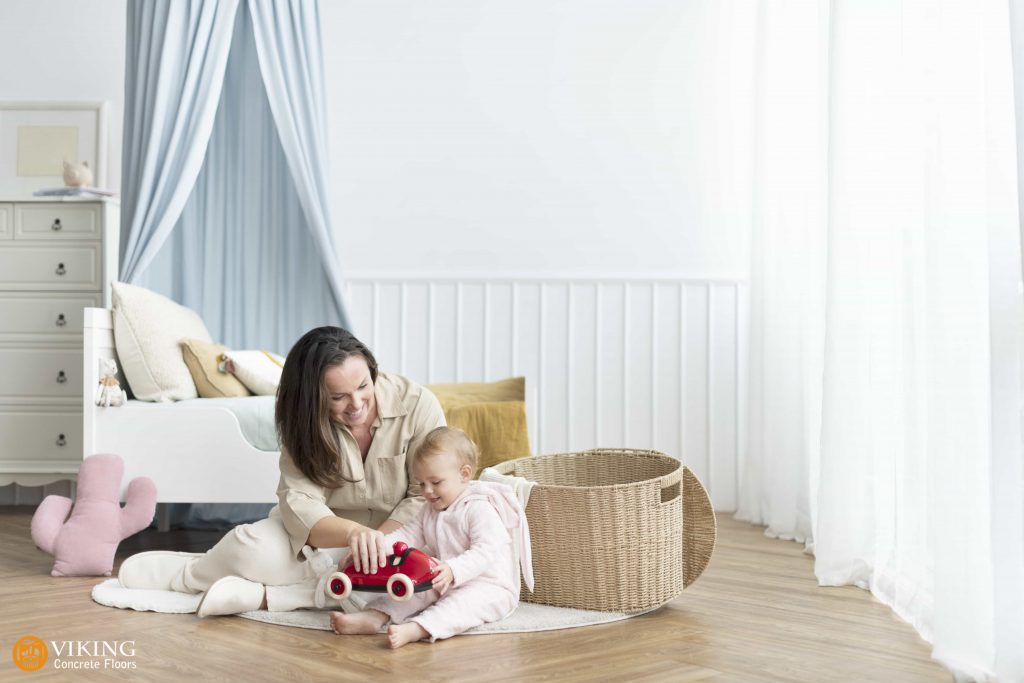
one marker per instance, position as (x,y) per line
(255,416)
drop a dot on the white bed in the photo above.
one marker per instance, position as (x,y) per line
(194,451)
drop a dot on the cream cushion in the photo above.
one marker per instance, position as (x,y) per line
(148,329)
(259,371)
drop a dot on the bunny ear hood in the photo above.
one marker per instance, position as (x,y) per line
(501,499)
(504,501)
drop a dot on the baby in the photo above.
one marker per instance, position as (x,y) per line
(465,525)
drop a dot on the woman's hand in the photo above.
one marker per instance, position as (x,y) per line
(366,549)
(443,579)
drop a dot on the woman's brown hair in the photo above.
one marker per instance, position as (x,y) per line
(302,412)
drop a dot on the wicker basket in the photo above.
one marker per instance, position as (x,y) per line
(607,528)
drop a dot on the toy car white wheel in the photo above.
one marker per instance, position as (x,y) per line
(338,586)
(400,587)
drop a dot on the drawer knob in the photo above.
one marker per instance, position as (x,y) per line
(61,322)
(61,377)
(61,441)
(61,269)
(56,225)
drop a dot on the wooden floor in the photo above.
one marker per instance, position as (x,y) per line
(755,615)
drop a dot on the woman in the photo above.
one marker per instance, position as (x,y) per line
(345,430)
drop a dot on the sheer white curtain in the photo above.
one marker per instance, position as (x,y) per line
(885,415)
(788,257)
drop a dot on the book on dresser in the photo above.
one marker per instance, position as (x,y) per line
(57,257)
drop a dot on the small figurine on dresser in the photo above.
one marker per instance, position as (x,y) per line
(77,175)
(109,392)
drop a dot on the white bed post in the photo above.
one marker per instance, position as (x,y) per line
(98,339)
(98,333)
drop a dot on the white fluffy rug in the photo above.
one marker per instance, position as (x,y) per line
(527,617)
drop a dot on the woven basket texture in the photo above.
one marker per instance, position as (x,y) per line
(700,528)
(607,528)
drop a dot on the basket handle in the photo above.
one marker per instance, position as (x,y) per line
(671,487)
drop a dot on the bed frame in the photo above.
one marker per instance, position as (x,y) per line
(195,454)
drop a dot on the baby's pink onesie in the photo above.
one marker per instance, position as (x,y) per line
(472,536)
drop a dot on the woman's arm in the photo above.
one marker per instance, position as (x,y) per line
(332,532)
(389,525)
(367,549)
(302,505)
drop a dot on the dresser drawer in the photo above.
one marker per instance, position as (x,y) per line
(65,266)
(6,221)
(40,374)
(57,221)
(43,316)
(40,437)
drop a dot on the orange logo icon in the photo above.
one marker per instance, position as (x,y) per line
(29,653)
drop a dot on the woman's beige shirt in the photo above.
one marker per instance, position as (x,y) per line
(382,487)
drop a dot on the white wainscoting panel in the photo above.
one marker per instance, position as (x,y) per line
(613,362)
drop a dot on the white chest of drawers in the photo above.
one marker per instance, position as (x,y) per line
(56,258)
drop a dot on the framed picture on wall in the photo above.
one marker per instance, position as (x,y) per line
(37,137)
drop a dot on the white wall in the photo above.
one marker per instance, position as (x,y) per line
(556,139)
(70,50)
(539,136)
(472,135)
(64,50)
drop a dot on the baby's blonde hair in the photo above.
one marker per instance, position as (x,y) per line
(448,440)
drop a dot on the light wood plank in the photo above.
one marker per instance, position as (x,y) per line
(756,615)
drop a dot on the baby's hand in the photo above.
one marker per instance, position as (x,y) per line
(443,579)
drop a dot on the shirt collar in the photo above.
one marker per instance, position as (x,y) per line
(389,401)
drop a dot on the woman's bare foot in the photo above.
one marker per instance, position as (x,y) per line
(364,623)
(405,633)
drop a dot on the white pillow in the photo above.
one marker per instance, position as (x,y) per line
(148,328)
(259,371)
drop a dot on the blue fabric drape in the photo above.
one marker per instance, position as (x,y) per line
(242,232)
(242,254)
(175,56)
(224,192)
(288,44)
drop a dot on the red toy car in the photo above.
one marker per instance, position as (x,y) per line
(408,571)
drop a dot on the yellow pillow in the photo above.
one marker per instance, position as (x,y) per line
(493,414)
(202,359)
(512,389)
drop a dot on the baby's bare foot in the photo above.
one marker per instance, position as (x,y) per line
(366,623)
(405,633)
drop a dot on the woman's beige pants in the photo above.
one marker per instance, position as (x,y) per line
(260,552)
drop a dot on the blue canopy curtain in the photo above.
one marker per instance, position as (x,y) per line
(225,206)
(224,192)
